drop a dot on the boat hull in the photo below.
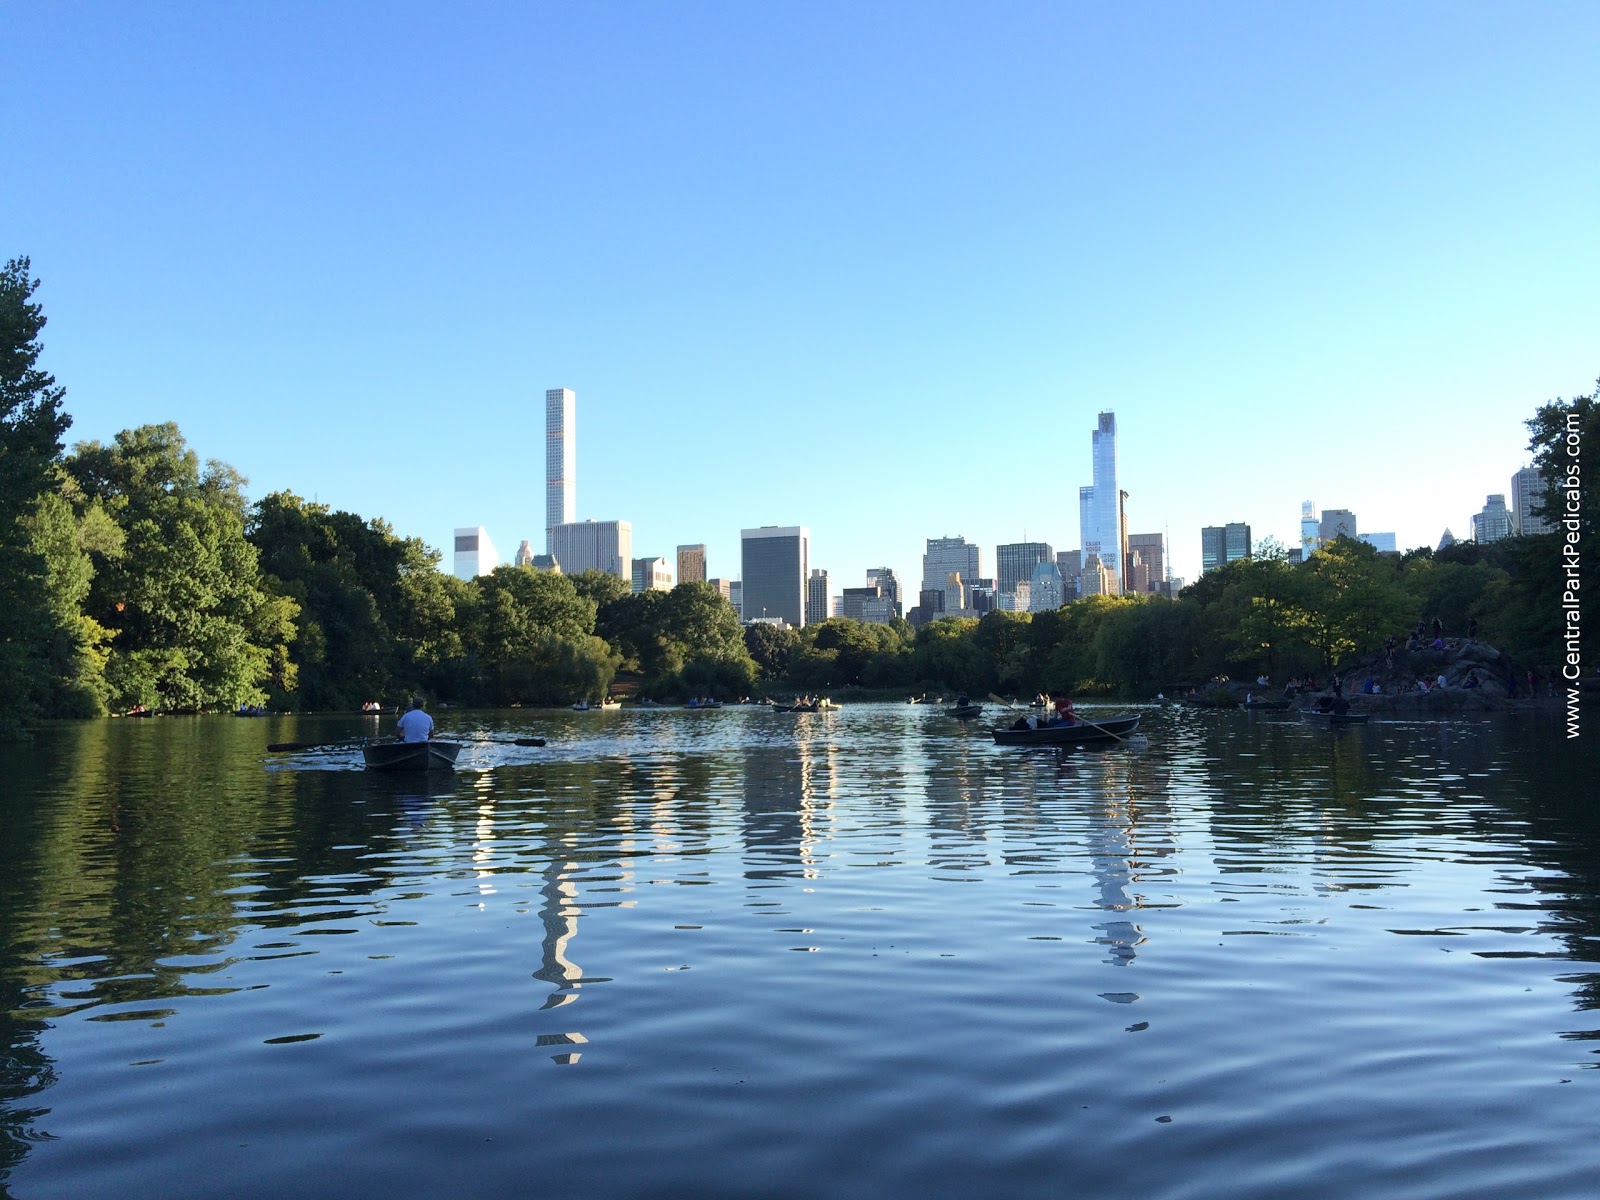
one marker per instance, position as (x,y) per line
(1331,718)
(964,712)
(411,756)
(1108,730)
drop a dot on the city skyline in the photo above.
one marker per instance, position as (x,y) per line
(796,276)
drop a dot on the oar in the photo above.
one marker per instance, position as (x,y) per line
(296,747)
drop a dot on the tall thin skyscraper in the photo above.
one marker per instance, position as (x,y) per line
(560,461)
(1099,505)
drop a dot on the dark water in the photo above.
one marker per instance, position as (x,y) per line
(865,954)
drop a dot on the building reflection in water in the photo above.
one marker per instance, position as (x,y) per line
(790,789)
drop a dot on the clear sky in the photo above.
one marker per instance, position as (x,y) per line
(869,268)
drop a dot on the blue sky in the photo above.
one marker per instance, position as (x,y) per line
(872,269)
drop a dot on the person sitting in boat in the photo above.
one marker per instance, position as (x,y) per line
(415,726)
(1064,714)
(1340,704)
(1249,699)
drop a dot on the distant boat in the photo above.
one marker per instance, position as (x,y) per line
(431,755)
(964,712)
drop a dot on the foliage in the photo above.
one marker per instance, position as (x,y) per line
(33,626)
(193,627)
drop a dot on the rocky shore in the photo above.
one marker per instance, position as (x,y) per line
(1477,678)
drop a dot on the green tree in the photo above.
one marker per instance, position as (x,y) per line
(32,423)
(1353,600)
(194,627)
(770,646)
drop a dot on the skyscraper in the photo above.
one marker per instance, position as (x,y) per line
(594,546)
(1014,564)
(1310,531)
(1045,587)
(1336,522)
(475,553)
(1221,544)
(884,578)
(652,575)
(948,554)
(1100,504)
(1527,492)
(1494,522)
(560,462)
(775,560)
(817,596)
(692,564)
(1147,567)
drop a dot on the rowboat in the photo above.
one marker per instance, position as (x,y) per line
(431,755)
(1319,717)
(1109,729)
(964,712)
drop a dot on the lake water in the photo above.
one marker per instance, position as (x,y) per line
(745,954)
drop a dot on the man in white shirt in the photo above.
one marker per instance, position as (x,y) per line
(415,725)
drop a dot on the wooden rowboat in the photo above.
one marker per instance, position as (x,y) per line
(431,755)
(964,712)
(1108,729)
(1317,716)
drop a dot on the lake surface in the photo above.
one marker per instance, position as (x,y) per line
(744,954)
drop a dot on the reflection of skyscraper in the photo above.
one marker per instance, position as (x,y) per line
(560,461)
(775,561)
(1099,505)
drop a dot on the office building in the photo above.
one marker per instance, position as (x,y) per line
(1446,540)
(853,601)
(1527,497)
(722,587)
(560,462)
(980,596)
(1045,587)
(817,597)
(1070,563)
(1147,563)
(948,554)
(475,553)
(1383,543)
(775,561)
(1221,544)
(1095,578)
(883,577)
(1100,504)
(524,556)
(692,564)
(1494,522)
(594,546)
(652,575)
(1335,523)
(1014,564)
(736,596)
(1310,531)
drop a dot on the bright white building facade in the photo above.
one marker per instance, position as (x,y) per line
(475,553)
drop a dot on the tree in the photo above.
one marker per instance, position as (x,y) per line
(194,627)
(31,427)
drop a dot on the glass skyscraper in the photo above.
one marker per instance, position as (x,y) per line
(1099,505)
(775,560)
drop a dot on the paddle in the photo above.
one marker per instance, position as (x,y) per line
(1075,716)
(296,747)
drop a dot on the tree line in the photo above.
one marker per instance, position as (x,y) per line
(132,574)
